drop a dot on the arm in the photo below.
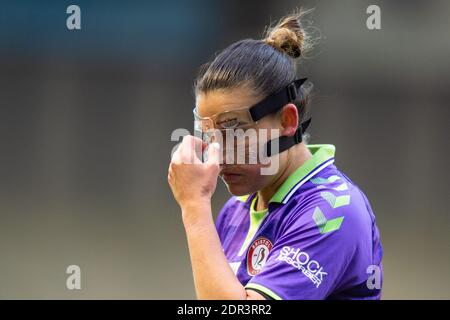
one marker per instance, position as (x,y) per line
(213,276)
(193,184)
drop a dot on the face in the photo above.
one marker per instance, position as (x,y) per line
(241,179)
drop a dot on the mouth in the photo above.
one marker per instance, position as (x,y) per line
(230,176)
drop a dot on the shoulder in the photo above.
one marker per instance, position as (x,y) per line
(330,204)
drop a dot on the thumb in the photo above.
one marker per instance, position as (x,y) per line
(213,153)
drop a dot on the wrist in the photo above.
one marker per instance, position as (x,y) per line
(196,212)
(195,204)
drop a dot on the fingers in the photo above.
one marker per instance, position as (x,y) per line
(176,158)
(190,149)
(213,153)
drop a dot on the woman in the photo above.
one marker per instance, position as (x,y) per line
(305,231)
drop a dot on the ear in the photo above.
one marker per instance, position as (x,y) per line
(289,119)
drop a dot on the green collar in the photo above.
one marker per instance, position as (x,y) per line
(322,156)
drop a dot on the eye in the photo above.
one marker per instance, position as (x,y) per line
(228,122)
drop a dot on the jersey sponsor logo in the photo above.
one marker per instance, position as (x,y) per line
(302,261)
(257,255)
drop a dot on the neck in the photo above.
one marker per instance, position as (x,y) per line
(295,157)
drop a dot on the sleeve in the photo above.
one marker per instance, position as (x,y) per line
(309,257)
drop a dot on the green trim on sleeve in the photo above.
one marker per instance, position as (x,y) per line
(267,291)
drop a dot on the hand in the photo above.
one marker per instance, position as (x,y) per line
(191,180)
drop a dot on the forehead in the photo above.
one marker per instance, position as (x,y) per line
(218,101)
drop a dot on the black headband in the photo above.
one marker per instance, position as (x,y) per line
(285,142)
(274,103)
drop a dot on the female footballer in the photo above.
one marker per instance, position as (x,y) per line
(305,231)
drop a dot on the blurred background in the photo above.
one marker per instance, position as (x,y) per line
(86,118)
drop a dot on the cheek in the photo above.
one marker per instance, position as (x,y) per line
(251,182)
(270,122)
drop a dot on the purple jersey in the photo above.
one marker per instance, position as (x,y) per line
(317,239)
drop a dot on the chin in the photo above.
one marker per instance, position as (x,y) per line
(238,189)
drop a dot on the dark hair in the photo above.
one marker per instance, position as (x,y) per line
(265,66)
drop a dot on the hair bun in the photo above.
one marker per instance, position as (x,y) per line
(285,40)
(288,35)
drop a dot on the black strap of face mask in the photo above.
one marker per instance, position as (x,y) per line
(272,104)
(285,142)
(277,100)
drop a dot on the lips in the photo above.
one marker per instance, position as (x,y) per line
(230,176)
